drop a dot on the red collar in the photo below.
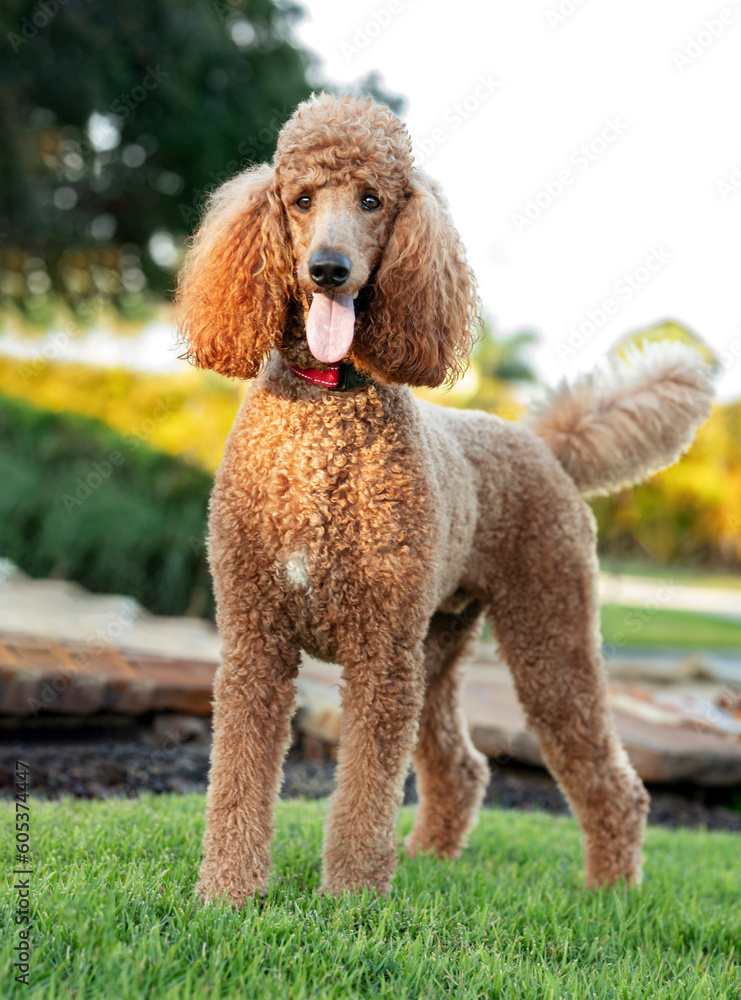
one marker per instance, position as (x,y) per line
(339,377)
(330,377)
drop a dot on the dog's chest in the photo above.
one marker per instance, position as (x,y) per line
(349,510)
(338,514)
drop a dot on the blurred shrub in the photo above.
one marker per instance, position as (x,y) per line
(690,513)
(188,414)
(83,503)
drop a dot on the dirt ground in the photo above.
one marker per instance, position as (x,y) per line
(122,760)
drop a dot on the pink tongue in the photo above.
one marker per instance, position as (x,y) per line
(330,326)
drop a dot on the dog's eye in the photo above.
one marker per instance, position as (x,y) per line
(370,202)
(304,201)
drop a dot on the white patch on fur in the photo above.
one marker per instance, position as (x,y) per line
(297,570)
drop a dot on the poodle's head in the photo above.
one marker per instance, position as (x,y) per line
(340,250)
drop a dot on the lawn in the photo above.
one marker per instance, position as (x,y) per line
(626,626)
(113,898)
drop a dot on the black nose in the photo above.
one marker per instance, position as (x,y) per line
(329,269)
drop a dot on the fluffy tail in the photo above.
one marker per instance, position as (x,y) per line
(616,427)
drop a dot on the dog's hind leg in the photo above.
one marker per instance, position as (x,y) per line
(545,617)
(451,774)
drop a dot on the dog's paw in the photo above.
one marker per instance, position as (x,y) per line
(438,844)
(353,872)
(605,870)
(235,891)
(613,848)
(228,895)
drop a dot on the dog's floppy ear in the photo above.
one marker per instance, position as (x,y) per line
(423,312)
(235,286)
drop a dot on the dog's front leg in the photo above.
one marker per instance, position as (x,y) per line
(253,701)
(382,701)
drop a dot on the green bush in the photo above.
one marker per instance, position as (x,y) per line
(80,502)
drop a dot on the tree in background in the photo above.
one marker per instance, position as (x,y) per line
(499,367)
(116,120)
(502,364)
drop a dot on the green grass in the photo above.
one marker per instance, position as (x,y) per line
(113,897)
(634,626)
(626,627)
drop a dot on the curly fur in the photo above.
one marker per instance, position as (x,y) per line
(236,285)
(619,425)
(423,286)
(377,531)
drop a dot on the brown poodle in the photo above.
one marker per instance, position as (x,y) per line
(368,528)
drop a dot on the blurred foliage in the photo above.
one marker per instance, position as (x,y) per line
(690,513)
(116,121)
(499,363)
(504,358)
(83,503)
(188,415)
(669,330)
(668,628)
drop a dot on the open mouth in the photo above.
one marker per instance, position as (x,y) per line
(330,326)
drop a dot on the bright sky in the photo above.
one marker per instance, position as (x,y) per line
(590,152)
